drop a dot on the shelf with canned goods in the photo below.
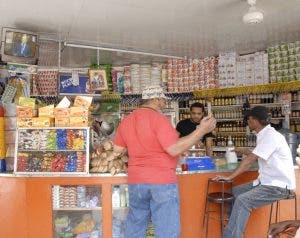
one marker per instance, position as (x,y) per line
(52,150)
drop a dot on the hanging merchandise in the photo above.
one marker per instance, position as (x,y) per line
(156,74)
(145,76)
(127,80)
(45,83)
(117,75)
(107,68)
(2,134)
(135,78)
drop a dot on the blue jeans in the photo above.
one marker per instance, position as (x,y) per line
(158,202)
(248,197)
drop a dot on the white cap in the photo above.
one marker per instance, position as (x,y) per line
(153,92)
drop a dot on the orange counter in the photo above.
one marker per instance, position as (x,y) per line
(26,206)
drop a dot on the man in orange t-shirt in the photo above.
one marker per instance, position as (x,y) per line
(153,147)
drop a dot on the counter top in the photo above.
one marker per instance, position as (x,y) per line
(226,168)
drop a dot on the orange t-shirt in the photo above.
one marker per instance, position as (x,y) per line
(146,134)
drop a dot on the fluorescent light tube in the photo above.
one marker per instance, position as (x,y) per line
(76,45)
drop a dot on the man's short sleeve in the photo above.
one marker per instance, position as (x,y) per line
(265,147)
(118,140)
(165,132)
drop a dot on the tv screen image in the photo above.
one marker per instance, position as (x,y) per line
(19,46)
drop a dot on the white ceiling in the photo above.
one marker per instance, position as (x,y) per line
(192,28)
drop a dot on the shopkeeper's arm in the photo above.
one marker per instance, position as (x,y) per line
(184,143)
(243,167)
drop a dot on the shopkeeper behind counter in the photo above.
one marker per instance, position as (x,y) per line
(187,126)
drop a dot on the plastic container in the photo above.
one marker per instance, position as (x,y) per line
(200,163)
(230,154)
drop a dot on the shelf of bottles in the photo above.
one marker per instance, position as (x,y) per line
(247,140)
(76,211)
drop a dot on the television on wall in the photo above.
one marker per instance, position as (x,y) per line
(19,46)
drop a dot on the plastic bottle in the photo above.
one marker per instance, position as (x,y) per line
(122,197)
(116,197)
(127,196)
(230,155)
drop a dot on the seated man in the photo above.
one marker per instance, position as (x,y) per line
(276,173)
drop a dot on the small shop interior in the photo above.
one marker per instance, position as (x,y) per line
(63,91)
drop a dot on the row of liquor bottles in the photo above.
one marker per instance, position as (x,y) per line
(237,126)
(295,126)
(238,140)
(239,100)
(235,113)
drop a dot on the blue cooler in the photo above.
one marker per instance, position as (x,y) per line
(200,163)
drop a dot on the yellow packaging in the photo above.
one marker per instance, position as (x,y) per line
(42,122)
(62,121)
(2,125)
(2,145)
(79,112)
(83,101)
(27,102)
(62,112)
(47,111)
(25,112)
(24,122)
(79,121)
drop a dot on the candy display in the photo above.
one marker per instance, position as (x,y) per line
(51,162)
(51,150)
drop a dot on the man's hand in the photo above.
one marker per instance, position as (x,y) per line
(207,124)
(243,151)
(221,177)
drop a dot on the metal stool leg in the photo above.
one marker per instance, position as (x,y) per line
(222,218)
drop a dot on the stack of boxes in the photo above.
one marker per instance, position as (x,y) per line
(227,69)
(27,114)
(76,116)
(251,69)
(61,116)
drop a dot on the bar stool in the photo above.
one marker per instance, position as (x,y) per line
(222,198)
(291,195)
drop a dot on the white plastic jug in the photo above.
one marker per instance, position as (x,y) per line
(230,154)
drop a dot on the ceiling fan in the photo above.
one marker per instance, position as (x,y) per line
(253,16)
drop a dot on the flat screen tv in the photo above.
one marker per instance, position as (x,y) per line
(19,46)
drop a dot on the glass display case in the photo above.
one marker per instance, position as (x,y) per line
(77,211)
(62,150)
